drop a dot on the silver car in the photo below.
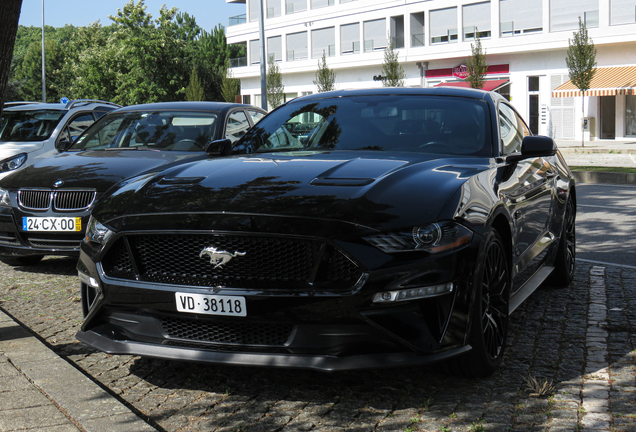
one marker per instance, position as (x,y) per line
(32,131)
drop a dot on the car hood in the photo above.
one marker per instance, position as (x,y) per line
(373,189)
(93,169)
(12,148)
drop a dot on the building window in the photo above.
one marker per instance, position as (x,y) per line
(374,35)
(241,50)
(443,24)
(252,10)
(273,8)
(293,6)
(397,31)
(315,4)
(476,20)
(275,47)
(323,40)
(520,16)
(350,38)
(564,15)
(417,29)
(630,115)
(622,12)
(297,46)
(255,51)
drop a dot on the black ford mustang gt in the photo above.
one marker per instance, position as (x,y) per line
(351,229)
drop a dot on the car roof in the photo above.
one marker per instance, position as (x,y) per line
(187,106)
(386,91)
(84,103)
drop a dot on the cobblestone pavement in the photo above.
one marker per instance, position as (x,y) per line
(580,339)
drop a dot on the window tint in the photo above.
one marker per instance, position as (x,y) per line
(35,125)
(237,125)
(511,128)
(78,125)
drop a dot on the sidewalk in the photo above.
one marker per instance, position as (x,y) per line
(39,391)
(602,153)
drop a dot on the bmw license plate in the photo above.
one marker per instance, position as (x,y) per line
(211,304)
(51,224)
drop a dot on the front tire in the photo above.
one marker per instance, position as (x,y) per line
(21,261)
(489,313)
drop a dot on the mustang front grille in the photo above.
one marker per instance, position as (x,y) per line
(259,262)
(66,200)
(227,333)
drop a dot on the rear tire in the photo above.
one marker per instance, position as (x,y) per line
(21,261)
(565,261)
(489,313)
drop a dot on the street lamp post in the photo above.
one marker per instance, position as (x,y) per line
(261,29)
(43,59)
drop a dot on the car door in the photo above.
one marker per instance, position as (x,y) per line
(528,192)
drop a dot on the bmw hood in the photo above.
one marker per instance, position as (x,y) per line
(93,169)
(367,188)
(12,148)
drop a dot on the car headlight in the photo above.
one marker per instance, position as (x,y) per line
(433,238)
(4,198)
(96,232)
(13,163)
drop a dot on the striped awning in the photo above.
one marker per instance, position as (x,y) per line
(609,81)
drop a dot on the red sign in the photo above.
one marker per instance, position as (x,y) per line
(500,69)
(461,71)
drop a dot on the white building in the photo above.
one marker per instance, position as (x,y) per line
(525,41)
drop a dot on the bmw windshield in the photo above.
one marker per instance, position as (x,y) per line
(28,126)
(406,123)
(160,130)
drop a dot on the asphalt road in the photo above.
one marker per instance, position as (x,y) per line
(606,224)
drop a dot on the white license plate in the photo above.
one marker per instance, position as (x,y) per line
(51,224)
(211,304)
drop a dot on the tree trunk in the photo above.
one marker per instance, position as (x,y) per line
(583,119)
(9,17)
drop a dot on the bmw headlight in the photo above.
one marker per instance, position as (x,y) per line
(4,198)
(433,238)
(13,163)
(96,232)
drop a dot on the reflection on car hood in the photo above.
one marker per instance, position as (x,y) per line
(93,169)
(12,148)
(367,188)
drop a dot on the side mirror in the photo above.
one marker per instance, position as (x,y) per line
(535,146)
(62,145)
(221,147)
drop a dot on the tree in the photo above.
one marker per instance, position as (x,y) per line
(325,77)
(230,88)
(393,74)
(275,87)
(194,90)
(211,56)
(476,64)
(581,62)
(9,17)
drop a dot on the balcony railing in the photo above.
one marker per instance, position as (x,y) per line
(238,62)
(238,19)
(417,40)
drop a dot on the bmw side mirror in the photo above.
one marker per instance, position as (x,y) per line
(534,146)
(221,147)
(62,145)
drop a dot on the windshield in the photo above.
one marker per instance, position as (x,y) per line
(160,130)
(32,125)
(405,123)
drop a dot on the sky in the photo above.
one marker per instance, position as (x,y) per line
(58,13)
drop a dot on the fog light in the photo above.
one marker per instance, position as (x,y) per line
(413,293)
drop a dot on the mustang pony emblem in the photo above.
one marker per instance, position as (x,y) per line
(219,257)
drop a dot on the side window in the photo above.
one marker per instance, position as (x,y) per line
(237,125)
(256,116)
(511,128)
(78,125)
(105,137)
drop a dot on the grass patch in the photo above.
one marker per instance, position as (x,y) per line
(604,169)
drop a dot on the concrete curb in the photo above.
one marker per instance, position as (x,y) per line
(605,177)
(84,403)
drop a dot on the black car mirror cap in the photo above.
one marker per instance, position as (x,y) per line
(534,146)
(62,145)
(221,147)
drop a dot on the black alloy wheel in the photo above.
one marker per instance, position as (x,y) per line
(565,261)
(489,313)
